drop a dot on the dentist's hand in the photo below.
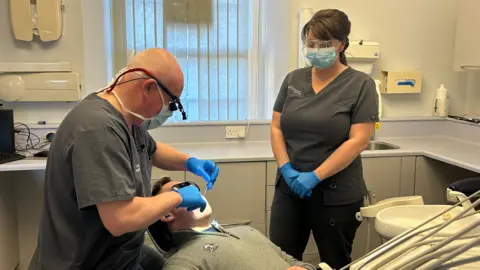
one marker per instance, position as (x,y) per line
(304,184)
(191,198)
(289,173)
(203,168)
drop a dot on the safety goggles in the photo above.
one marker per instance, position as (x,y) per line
(173,105)
(178,186)
(317,44)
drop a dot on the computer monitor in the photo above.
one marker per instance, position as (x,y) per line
(7,134)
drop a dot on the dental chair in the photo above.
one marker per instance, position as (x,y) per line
(425,237)
(460,190)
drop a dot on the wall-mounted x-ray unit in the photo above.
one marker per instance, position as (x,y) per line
(39,82)
(36,17)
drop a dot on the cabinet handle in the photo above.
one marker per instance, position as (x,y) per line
(470,67)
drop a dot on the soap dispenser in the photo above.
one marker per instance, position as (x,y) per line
(442,102)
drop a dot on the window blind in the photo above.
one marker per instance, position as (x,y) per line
(214,42)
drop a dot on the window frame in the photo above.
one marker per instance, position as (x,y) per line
(256,115)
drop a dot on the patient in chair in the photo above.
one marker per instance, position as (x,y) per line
(192,242)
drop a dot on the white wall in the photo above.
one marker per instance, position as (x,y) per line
(84,44)
(412,35)
(472,104)
(68,48)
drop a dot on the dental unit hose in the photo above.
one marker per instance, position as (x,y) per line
(385,260)
(401,238)
(448,240)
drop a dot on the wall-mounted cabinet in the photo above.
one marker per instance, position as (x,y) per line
(467,39)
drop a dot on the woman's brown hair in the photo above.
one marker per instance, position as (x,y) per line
(327,24)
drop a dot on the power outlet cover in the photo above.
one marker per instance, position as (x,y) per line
(235,132)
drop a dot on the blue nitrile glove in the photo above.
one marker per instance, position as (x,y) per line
(191,198)
(289,173)
(203,168)
(304,183)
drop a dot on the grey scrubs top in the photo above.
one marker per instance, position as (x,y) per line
(94,158)
(315,125)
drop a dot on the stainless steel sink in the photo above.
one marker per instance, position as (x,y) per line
(376,145)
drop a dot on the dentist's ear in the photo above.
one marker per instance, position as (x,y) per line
(148,85)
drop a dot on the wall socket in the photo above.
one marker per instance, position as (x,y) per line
(235,132)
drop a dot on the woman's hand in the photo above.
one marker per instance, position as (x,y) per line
(289,174)
(304,184)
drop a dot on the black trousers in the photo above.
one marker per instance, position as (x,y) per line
(334,227)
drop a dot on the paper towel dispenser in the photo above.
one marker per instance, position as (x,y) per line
(36,17)
(40,87)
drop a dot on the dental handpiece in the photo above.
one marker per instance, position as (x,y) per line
(205,192)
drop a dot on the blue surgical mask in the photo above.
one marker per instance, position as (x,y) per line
(158,120)
(322,58)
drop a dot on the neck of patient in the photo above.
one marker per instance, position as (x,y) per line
(202,224)
(199,225)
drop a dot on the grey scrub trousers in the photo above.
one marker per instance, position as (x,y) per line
(94,158)
(314,126)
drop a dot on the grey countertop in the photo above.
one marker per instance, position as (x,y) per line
(450,150)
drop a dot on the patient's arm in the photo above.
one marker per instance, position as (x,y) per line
(289,259)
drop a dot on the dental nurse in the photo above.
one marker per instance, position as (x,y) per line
(323,119)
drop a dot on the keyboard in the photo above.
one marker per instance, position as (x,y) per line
(5,158)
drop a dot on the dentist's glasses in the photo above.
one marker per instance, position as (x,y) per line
(174,103)
(184,184)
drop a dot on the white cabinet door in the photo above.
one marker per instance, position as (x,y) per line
(432,178)
(157,174)
(239,193)
(9,255)
(382,175)
(467,36)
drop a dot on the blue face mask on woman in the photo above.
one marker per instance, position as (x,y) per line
(322,58)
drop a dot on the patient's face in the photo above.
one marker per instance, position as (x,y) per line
(180,218)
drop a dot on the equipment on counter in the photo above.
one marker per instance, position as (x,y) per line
(442,102)
(8,153)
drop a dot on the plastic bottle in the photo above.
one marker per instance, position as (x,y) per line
(442,102)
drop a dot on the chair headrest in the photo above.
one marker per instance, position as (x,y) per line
(466,186)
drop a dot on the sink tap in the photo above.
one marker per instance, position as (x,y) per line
(455,196)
